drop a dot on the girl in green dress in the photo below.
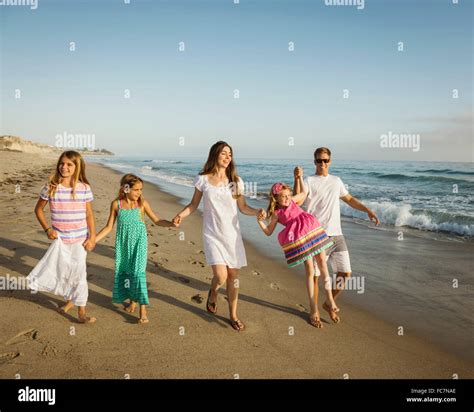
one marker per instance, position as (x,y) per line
(129,209)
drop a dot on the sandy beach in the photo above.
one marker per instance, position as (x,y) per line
(182,340)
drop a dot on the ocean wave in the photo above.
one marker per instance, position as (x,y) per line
(445,171)
(400,215)
(420,178)
(167,161)
(167,177)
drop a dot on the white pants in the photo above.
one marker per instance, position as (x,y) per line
(62,271)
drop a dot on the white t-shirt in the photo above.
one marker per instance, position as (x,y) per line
(322,202)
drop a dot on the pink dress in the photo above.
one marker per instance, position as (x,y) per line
(303,236)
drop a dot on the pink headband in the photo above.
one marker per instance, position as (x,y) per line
(276,188)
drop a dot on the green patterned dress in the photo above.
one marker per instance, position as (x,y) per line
(130,257)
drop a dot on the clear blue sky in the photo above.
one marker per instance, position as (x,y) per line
(135,46)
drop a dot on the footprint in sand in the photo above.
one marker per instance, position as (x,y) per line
(195,262)
(23,337)
(191,242)
(49,350)
(5,357)
(198,298)
(301,308)
(274,286)
(183,280)
(256,273)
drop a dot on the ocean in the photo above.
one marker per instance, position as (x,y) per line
(433,197)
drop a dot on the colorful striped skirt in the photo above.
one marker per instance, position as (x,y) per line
(306,246)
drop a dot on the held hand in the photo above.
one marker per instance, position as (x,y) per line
(89,244)
(177,220)
(298,172)
(373,217)
(175,224)
(52,234)
(261,214)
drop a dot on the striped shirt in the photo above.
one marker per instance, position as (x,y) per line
(68,215)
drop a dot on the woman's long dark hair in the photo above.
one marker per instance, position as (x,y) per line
(210,166)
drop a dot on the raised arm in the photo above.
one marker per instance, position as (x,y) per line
(155,219)
(110,222)
(357,204)
(297,183)
(299,192)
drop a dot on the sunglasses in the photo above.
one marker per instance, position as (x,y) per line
(323,160)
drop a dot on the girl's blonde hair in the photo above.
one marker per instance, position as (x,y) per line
(273,197)
(127,182)
(211,166)
(79,173)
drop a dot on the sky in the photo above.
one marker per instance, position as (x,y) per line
(127,85)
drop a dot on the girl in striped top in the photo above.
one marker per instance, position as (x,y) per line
(302,240)
(62,270)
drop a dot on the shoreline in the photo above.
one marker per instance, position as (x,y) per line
(272,303)
(452,340)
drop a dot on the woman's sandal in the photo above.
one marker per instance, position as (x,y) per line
(237,325)
(332,312)
(315,321)
(211,306)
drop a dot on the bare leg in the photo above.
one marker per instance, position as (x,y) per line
(66,308)
(313,290)
(232,292)
(330,304)
(130,308)
(143,315)
(83,318)
(218,280)
(340,280)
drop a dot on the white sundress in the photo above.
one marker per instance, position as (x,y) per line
(62,271)
(222,239)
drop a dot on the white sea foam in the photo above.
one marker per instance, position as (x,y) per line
(403,215)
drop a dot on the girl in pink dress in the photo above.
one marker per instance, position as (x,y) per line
(302,239)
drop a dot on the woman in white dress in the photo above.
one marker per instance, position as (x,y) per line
(222,191)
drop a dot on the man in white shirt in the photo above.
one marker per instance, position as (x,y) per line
(322,201)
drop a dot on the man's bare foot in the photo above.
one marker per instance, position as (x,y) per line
(87,319)
(332,312)
(144,320)
(315,320)
(130,308)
